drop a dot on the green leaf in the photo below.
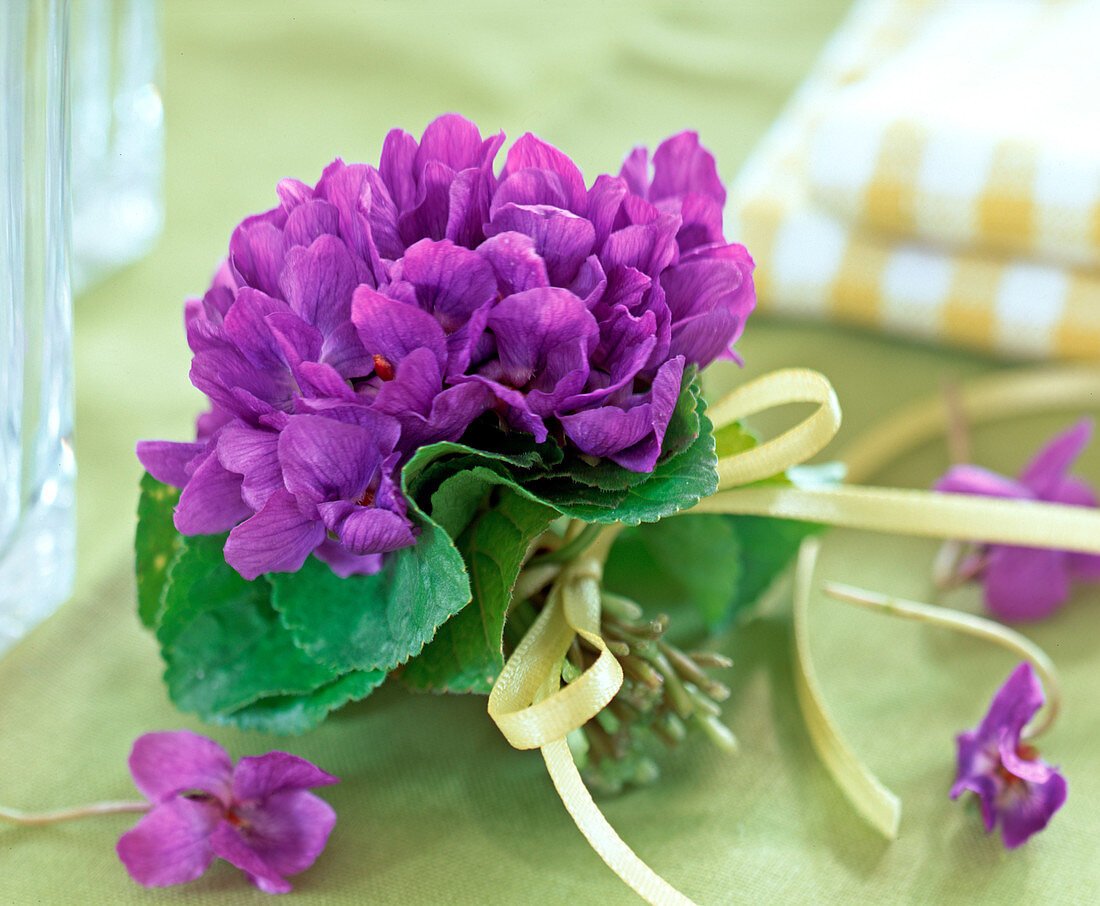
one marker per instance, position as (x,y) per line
(222,642)
(467,653)
(374,622)
(767,547)
(293,714)
(733,438)
(676,483)
(693,558)
(155,545)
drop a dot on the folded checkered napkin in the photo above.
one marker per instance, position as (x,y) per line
(938,175)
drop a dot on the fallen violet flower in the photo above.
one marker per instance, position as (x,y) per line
(1023,583)
(257,815)
(1013,785)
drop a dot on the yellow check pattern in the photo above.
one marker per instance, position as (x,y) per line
(864,207)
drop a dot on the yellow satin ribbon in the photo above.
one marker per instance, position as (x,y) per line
(533,711)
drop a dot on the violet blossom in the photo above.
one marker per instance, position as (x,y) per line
(387,308)
(1022,583)
(257,815)
(1014,786)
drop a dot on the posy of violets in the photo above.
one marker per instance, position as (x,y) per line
(389,307)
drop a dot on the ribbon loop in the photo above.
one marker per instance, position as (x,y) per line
(794,446)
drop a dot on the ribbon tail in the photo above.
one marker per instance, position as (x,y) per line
(877,805)
(619,857)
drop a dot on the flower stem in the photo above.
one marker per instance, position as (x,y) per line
(970,625)
(572,548)
(15,816)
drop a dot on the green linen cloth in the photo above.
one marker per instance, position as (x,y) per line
(434,807)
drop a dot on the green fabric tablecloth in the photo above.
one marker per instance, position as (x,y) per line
(434,806)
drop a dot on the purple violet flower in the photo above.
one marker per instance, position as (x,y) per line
(1013,785)
(1023,583)
(257,815)
(388,308)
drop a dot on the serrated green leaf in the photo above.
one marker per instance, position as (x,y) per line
(223,645)
(374,622)
(676,483)
(155,544)
(467,653)
(293,714)
(693,558)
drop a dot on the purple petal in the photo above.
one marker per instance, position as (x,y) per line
(1028,808)
(416,383)
(246,328)
(635,172)
(257,777)
(324,459)
(288,831)
(253,453)
(393,329)
(222,371)
(531,186)
(212,501)
(1013,705)
(604,200)
(292,192)
(700,221)
(709,299)
(546,330)
(256,252)
(171,762)
(366,529)
(309,221)
(167,461)
(277,539)
(1023,583)
(649,247)
(631,437)
(428,218)
(451,282)
(171,844)
(396,166)
(452,140)
(967,479)
(530,151)
(682,165)
(318,282)
(229,844)
(349,189)
(383,222)
(563,239)
(518,267)
(1049,466)
(343,350)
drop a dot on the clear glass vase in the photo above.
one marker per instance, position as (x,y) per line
(118,135)
(37,471)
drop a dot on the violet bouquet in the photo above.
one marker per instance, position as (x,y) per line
(426,378)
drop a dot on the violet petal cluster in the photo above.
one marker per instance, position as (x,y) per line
(1014,786)
(257,815)
(1022,583)
(387,308)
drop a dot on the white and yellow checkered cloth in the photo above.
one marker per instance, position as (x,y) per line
(938,175)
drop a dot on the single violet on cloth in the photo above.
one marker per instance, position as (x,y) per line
(1014,786)
(257,815)
(1030,583)
(384,309)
